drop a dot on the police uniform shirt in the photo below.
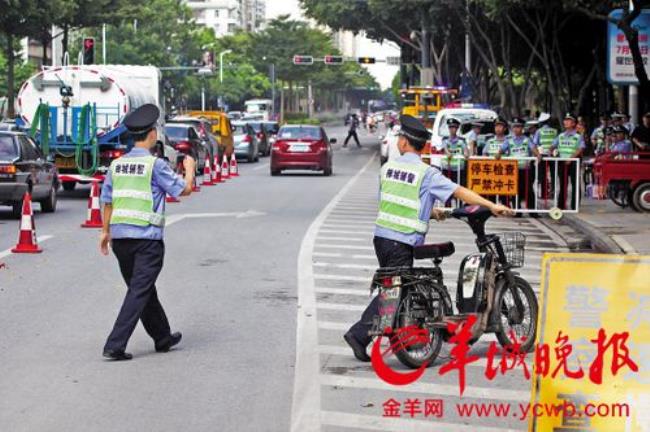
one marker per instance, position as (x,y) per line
(163,181)
(505,147)
(502,140)
(447,142)
(556,141)
(435,187)
(537,136)
(624,146)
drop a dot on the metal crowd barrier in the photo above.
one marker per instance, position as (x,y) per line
(548,181)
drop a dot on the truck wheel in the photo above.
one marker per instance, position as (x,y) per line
(48,205)
(641,197)
(69,186)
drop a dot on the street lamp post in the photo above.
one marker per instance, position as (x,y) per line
(221,54)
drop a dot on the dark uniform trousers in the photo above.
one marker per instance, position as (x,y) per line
(140,264)
(546,178)
(390,253)
(568,178)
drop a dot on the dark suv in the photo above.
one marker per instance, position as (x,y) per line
(24,168)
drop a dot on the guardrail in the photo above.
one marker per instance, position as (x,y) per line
(526,184)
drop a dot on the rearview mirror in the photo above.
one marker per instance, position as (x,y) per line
(332,140)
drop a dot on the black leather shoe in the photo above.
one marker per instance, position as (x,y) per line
(175,338)
(358,349)
(117,355)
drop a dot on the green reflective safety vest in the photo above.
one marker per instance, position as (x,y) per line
(399,204)
(133,202)
(492,147)
(568,144)
(519,150)
(546,137)
(456,149)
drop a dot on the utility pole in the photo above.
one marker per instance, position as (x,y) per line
(426,71)
(272,73)
(103,43)
(221,54)
(468,51)
(633,105)
(310,101)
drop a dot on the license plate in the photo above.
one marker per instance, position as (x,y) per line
(65,162)
(298,147)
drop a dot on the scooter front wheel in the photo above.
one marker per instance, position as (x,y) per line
(516,320)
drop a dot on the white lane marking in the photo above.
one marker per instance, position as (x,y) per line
(343,277)
(346,266)
(378,423)
(355,225)
(362,292)
(337,231)
(170,220)
(365,240)
(40,239)
(329,325)
(340,306)
(339,246)
(306,404)
(259,167)
(426,388)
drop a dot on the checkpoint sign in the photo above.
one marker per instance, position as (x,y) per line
(580,295)
(492,177)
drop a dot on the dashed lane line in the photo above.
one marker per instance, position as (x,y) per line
(40,239)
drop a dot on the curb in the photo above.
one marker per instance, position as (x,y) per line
(599,241)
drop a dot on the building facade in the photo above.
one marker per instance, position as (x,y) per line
(225,17)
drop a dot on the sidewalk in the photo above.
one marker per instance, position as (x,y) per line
(610,228)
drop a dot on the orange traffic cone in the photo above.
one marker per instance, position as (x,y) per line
(196,187)
(234,170)
(225,169)
(216,172)
(207,172)
(27,238)
(94,219)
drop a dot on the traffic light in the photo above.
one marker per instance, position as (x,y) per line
(333,60)
(303,60)
(366,60)
(89,51)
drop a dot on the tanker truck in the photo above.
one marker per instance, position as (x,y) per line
(75,113)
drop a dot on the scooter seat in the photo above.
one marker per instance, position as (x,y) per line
(435,250)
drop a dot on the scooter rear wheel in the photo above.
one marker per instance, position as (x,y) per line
(509,319)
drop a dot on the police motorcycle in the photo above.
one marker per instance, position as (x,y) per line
(487,287)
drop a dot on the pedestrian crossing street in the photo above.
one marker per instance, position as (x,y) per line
(349,394)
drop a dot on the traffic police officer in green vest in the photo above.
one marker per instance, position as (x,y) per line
(494,144)
(569,144)
(133,195)
(598,135)
(519,145)
(456,150)
(543,140)
(409,189)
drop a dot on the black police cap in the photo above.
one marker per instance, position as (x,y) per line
(413,129)
(619,129)
(570,116)
(608,130)
(453,122)
(142,119)
(500,120)
(518,121)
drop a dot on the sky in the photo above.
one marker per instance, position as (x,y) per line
(383,73)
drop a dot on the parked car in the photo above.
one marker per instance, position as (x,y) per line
(262,137)
(246,142)
(165,150)
(204,128)
(302,147)
(220,128)
(24,168)
(185,140)
(235,115)
(388,149)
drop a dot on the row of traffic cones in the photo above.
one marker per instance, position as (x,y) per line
(28,243)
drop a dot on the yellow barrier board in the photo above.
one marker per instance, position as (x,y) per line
(580,295)
(492,177)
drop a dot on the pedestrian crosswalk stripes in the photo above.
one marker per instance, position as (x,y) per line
(342,263)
